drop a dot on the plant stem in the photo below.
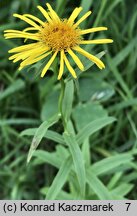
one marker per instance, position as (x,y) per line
(60,104)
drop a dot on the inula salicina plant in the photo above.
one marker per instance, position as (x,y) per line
(54,36)
(68,136)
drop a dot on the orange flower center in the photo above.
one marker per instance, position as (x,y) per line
(60,35)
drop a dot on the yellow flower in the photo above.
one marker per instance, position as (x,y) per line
(54,37)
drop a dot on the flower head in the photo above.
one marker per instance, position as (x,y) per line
(53,37)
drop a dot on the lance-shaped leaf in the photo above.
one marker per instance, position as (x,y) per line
(77,160)
(40,132)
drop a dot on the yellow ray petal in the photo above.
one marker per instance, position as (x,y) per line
(23,54)
(22,35)
(53,14)
(35,19)
(86,31)
(24,47)
(17,32)
(49,64)
(82,19)
(74,15)
(99,41)
(20,32)
(12,31)
(44,12)
(30,29)
(15,36)
(93,58)
(61,69)
(27,20)
(71,70)
(76,59)
(26,54)
(38,58)
(33,59)
(19,57)
(14,56)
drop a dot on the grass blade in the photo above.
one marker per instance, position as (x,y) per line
(19,121)
(14,87)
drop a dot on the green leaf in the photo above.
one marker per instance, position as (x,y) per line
(14,87)
(93,88)
(52,135)
(62,152)
(40,134)
(60,179)
(86,152)
(93,127)
(77,160)
(47,157)
(122,190)
(110,163)
(68,100)
(65,196)
(114,180)
(83,114)
(20,121)
(98,187)
(50,107)
(28,132)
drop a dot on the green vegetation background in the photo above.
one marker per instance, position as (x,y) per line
(26,101)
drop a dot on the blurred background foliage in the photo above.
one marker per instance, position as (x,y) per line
(26,101)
